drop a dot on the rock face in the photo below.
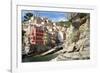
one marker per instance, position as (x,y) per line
(77,43)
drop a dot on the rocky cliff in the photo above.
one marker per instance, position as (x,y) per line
(77,43)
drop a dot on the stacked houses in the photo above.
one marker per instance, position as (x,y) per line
(36,31)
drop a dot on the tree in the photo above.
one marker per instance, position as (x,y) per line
(28,16)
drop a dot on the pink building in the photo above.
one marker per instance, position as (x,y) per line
(36,35)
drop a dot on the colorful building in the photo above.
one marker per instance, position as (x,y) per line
(36,35)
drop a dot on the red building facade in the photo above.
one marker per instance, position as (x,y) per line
(36,35)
